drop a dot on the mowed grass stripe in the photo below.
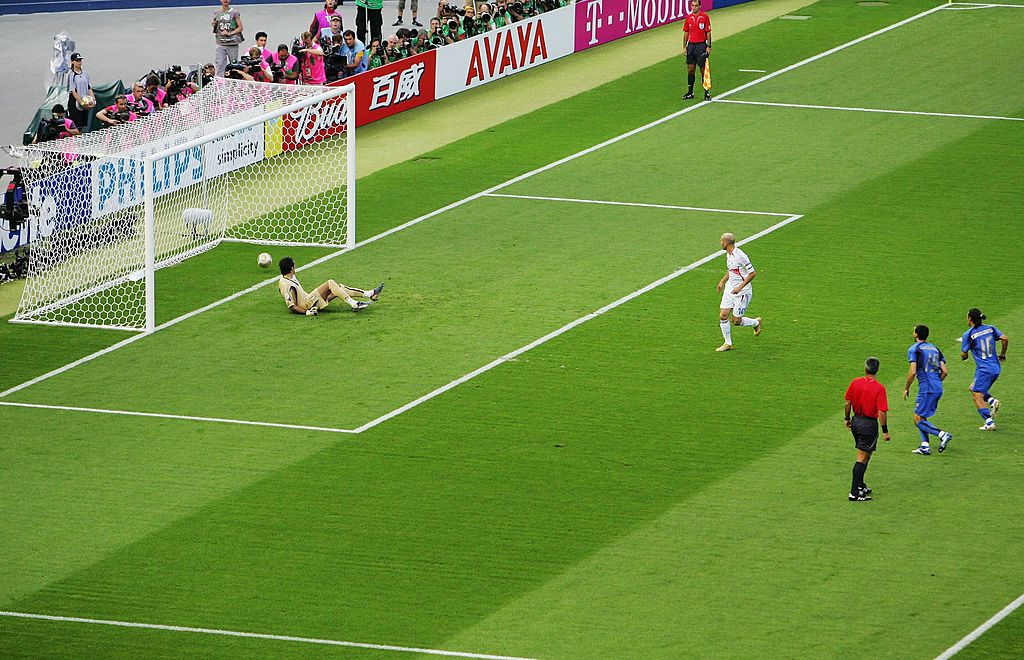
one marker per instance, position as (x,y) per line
(911,68)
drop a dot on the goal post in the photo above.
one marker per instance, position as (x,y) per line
(239,161)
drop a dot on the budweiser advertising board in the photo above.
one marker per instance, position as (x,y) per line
(601,21)
(500,53)
(394,87)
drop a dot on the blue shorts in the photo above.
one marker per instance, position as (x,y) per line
(927,403)
(983,381)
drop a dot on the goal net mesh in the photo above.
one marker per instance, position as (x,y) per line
(239,160)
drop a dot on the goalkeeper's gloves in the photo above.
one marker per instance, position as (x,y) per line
(312,311)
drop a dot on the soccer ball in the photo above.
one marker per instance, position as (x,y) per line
(88,101)
(264,260)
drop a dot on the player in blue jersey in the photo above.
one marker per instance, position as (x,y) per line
(928,365)
(980,342)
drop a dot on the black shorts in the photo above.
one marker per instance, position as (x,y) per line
(697,53)
(865,433)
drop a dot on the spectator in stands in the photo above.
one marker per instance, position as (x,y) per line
(56,128)
(322,19)
(227,26)
(79,87)
(118,113)
(287,64)
(312,61)
(327,35)
(355,55)
(261,43)
(369,10)
(137,101)
(401,11)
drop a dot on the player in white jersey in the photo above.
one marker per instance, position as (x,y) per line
(736,291)
(310,304)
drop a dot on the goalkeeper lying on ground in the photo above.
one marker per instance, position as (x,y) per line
(310,304)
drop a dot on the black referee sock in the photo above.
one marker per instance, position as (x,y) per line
(858,477)
(690,80)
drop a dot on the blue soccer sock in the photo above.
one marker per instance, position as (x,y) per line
(985,413)
(924,436)
(928,428)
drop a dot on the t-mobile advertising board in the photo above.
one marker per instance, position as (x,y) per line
(601,21)
(500,53)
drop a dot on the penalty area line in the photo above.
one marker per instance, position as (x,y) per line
(807,106)
(191,418)
(640,204)
(569,326)
(252,635)
(980,630)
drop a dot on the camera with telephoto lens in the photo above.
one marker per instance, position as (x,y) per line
(141,109)
(122,116)
(485,19)
(49,129)
(297,47)
(452,10)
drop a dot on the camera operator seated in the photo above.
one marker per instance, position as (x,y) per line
(501,15)
(138,103)
(112,115)
(353,52)
(55,128)
(252,66)
(284,66)
(311,58)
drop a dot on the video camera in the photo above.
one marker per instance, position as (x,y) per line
(14,209)
(49,129)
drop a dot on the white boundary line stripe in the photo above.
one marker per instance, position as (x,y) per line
(567,327)
(980,630)
(982,5)
(279,638)
(136,413)
(648,206)
(878,110)
(480,194)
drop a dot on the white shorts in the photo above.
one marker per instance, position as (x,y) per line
(737,303)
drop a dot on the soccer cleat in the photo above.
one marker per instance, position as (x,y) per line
(723,348)
(864,489)
(860,496)
(707,96)
(376,292)
(757,328)
(362,304)
(944,439)
(994,404)
(312,311)
(988,426)
(687,96)
(924,451)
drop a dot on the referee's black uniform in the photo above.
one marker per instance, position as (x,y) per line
(866,396)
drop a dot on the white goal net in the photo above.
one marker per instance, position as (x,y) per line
(238,161)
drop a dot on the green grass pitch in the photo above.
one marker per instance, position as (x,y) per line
(620,490)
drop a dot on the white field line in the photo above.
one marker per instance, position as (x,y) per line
(480,194)
(752,71)
(569,326)
(642,205)
(980,5)
(977,632)
(135,413)
(251,635)
(878,110)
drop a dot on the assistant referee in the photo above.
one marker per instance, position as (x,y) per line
(866,397)
(696,45)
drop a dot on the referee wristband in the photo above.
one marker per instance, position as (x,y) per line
(885,428)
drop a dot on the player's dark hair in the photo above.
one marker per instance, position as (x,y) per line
(976,316)
(871,366)
(921,331)
(286,265)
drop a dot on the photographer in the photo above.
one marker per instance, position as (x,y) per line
(112,115)
(405,44)
(311,57)
(501,16)
(375,55)
(154,92)
(328,34)
(284,66)
(436,37)
(251,67)
(354,54)
(176,85)
(485,20)
(55,128)
(518,10)
(138,103)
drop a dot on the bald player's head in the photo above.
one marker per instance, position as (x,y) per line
(727,239)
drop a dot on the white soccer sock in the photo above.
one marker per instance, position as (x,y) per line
(726,331)
(351,302)
(747,322)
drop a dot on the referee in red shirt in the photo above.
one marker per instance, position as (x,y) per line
(866,397)
(696,45)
